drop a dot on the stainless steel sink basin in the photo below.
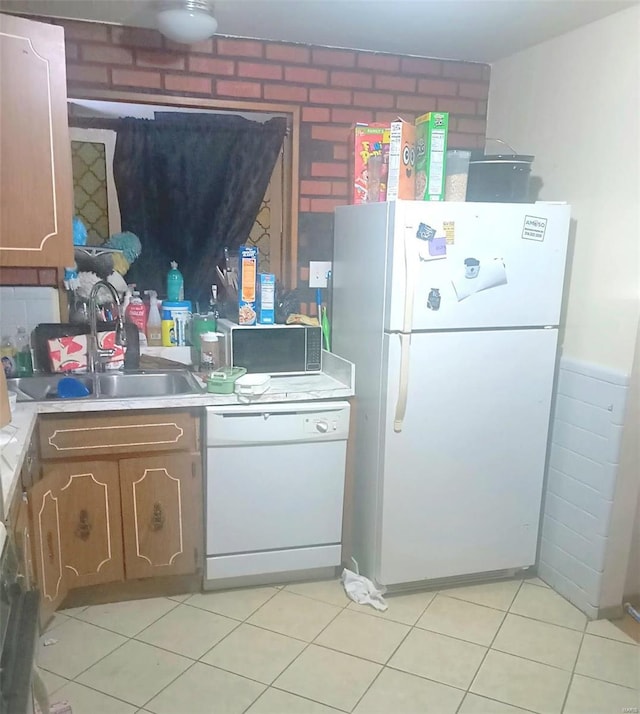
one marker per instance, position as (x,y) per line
(116,385)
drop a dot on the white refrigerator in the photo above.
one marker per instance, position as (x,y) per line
(450,312)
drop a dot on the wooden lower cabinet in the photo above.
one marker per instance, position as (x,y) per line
(161,503)
(103,513)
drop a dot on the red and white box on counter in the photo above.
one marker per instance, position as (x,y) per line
(69,354)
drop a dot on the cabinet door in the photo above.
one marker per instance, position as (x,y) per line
(91,533)
(161,514)
(47,520)
(35,171)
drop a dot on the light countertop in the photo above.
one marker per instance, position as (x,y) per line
(337,381)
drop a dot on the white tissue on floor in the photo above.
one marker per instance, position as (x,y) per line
(362,590)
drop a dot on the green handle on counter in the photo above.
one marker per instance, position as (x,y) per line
(326,329)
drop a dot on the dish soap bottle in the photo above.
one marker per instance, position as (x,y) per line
(154,322)
(8,355)
(175,283)
(24,364)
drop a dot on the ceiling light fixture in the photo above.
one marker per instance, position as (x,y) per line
(188,22)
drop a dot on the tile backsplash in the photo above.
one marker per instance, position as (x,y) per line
(27,307)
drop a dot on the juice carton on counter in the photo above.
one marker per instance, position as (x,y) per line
(266,299)
(370,162)
(247,270)
(401,182)
(431,152)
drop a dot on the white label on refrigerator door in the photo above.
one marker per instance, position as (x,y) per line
(534,228)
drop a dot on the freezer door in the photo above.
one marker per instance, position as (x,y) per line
(462,480)
(475,265)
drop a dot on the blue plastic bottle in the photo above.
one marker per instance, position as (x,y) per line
(175,283)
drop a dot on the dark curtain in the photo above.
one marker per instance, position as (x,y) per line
(189,185)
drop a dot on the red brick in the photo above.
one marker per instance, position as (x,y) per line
(240,48)
(378,62)
(255,70)
(486,72)
(473,90)
(71,50)
(416,102)
(481,108)
(420,65)
(462,70)
(106,54)
(137,37)
(204,47)
(315,188)
(351,79)
(211,65)
(326,205)
(330,133)
(87,73)
(18,276)
(48,276)
(304,273)
(305,206)
(328,169)
(373,100)
(306,75)
(472,126)
(437,87)
(453,105)
(339,188)
(461,141)
(91,31)
(288,53)
(333,58)
(136,78)
(252,90)
(395,83)
(304,307)
(350,116)
(162,60)
(340,152)
(387,117)
(330,96)
(285,93)
(187,83)
(316,114)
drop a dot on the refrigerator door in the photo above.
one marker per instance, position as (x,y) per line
(475,265)
(462,481)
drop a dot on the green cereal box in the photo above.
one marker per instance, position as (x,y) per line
(431,153)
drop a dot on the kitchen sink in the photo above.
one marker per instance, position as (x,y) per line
(106,385)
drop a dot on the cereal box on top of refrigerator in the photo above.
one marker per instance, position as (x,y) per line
(402,159)
(370,162)
(431,151)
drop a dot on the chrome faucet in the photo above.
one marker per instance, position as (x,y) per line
(96,356)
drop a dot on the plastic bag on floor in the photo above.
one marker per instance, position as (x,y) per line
(362,590)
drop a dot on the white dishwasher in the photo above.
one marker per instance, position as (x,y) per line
(274,488)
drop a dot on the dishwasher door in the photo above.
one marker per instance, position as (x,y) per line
(275,487)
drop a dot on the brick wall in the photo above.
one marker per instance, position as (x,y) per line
(333,87)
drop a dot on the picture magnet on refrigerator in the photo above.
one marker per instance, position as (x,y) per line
(433,301)
(489,273)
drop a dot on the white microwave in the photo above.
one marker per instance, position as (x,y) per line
(272,349)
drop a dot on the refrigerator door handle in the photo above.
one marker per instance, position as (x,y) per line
(403,388)
(411,258)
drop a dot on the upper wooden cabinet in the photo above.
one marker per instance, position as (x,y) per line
(36,200)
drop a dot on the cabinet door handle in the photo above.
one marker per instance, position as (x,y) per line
(50,546)
(157,519)
(83,529)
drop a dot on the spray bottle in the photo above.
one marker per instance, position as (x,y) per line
(154,322)
(136,313)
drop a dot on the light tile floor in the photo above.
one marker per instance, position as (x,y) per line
(499,648)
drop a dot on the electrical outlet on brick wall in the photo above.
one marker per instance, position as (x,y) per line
(318,270)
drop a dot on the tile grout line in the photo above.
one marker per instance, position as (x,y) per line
(386,663)
(573,670)
(493,639)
